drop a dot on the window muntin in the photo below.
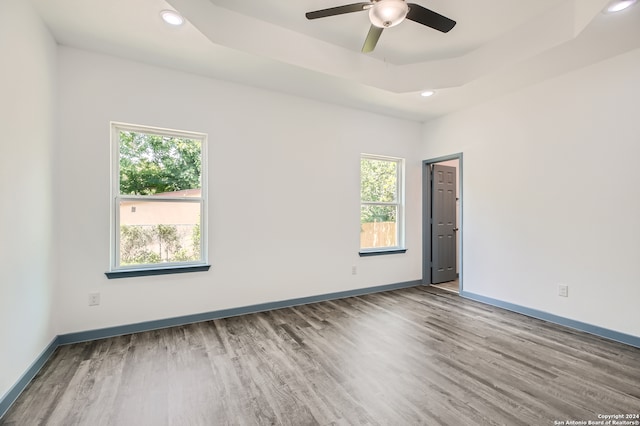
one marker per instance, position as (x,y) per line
(381,203)
(159,198)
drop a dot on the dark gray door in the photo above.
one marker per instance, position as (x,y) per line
(443,227)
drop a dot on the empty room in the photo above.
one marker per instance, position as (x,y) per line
(247,212)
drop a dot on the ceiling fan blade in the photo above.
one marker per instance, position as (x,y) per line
(372,39)
(429,18)
(338,10)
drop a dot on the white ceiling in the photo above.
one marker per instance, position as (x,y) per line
(404,44)
(497,46)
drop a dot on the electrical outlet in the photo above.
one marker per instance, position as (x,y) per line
(354,270)
(563,290)
(94,299)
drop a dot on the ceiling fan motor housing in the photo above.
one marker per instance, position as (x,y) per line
(388,13)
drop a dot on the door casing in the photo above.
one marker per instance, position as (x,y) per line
(426,216)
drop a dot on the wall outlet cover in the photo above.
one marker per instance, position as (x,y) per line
(94,299)
(563,290)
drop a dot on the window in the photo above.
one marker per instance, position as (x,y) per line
(158,199)
(381,205)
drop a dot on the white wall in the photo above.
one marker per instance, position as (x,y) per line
(551,194)
(27,276)
(284,192)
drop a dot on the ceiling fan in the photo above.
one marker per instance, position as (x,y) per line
(386,14)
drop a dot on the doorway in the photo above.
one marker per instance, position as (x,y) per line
(442,222)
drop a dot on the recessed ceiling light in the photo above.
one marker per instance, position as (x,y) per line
(619,5)
(427,93)
(172,17)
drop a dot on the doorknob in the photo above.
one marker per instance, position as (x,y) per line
(455,229)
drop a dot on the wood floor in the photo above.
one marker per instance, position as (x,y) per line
(405,357)
(453,286)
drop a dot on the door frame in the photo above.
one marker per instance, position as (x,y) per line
(426,217)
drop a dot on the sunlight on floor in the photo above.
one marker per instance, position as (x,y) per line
(452,286)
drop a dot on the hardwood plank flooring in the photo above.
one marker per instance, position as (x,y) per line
(407,357)
(453,286)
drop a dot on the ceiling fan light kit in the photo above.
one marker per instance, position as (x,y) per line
(388,13)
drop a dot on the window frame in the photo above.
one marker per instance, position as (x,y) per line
(116,198)
(399,202)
